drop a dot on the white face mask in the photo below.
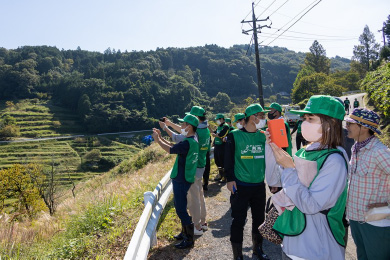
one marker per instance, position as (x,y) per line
(218,122)
(261,123)
(311,132)
(239,126)
(183,131)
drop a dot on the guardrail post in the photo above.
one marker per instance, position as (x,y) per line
(149,196)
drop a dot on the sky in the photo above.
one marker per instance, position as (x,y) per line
(136,25)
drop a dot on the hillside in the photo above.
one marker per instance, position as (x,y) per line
(122,91)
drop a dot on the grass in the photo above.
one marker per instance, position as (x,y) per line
(96,224)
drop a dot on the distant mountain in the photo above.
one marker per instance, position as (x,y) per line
(118,90)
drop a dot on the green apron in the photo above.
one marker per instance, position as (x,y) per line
(249,156)
(191,162)
(293,223)
(219,140)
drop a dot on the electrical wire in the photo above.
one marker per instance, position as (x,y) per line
(266,9)
(278,8)
(312,38)
(331,36)
(291,20)
(295,22)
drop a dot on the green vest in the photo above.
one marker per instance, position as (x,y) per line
(356,104)
(249,156)
(191,161)
(218,140)
(204,145)
(293,223)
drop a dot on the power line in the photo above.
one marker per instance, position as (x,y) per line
(266,9)
(295,22)
(331,36)
(311,38)
(278,8)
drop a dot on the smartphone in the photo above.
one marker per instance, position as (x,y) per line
(234,189)
(162,119)
(277,130)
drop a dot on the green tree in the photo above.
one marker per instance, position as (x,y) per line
(18,183)
(317,59)
(308,86)
(386,29)
(367,51)
(221,103)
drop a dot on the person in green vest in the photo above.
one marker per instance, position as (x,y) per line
(356,103)
(247,159)
(298,138)
(239,119)
(196,203)
(314,228)
(183,172)
(229,123)
(347,105)
(275,112)
(219,146)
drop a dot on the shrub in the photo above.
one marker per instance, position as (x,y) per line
(10,131)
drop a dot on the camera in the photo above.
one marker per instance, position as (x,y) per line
(162,119)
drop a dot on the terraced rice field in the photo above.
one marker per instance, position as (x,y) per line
(65,155)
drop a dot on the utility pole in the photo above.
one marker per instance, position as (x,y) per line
(254,29)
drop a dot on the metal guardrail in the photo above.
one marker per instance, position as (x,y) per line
(144,236)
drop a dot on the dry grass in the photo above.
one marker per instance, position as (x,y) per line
(21,234)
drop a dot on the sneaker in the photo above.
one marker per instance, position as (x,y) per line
(205,227)
(198,232)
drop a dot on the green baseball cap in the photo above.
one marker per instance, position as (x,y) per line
(238,116)
(197,111)
(275,106)
(228,120)
(218,116)
(191,119)
(322,104)
(253,109)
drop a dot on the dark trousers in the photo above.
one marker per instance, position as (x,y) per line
(219,155)
(371,242)
(300,140)
(206,173)
(180,190)
(253,196)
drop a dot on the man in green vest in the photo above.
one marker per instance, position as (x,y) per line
(245,164)
(356,103)
(219,145)
(229,123)
(183,173)
(196,203)
(239,119)
(275,112)
(347,105)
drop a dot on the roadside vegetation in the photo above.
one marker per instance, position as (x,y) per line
(95,222)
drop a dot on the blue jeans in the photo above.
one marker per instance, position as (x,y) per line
(180,190)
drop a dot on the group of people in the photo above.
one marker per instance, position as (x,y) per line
(347,104)
(313,190)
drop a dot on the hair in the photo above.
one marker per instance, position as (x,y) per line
(194,128)
(332,132)
(247,119)
(202,118)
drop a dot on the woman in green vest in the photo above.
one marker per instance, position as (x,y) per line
(183,173)
(314,229)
